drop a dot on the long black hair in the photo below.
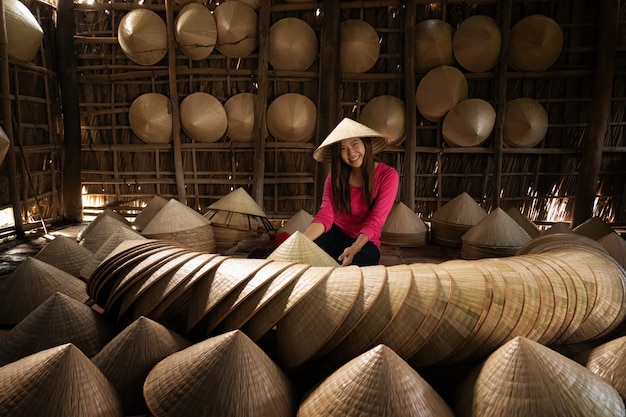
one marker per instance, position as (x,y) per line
(340,172)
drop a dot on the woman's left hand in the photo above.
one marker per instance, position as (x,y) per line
(348,254)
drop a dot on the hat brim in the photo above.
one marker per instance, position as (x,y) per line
(349,129)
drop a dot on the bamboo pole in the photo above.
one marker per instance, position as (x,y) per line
(410,106)
(600,111)
(8,127)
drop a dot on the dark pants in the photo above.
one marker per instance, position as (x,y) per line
(335,241)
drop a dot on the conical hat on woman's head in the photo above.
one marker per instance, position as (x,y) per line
(349,129)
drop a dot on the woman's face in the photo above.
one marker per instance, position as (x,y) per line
(353,152)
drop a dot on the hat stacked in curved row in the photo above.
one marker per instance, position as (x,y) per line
(455,218)
(433,44)
(403,227)
(195,31)
(359,46)
(119,236)
(65,253)
(385,114)
(142,35)
(477,42)
(607,361)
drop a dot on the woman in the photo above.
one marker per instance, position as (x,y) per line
(358,195)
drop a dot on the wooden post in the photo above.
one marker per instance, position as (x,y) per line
(410,106)
(72,205)
(8,126)
(600,111)
(174,106)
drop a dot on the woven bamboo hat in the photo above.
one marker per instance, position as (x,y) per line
(66,254)
(150,118)
(469,123)
(240,110)
(525,123)
(292,45)
(120,235)
(349,129)
(224,375)
(557,228)
(142,35)
(385,114)
(403,227)
(148,212)
(24,34)
(298,222)
(376,383)
(292,117)
(359,46)
(608,361)
(536,43)
(203,117)
(524,377)
(462,209)
(238,201)
(593,228)
(255,4)
(528,225)
(299,248)
(52,383)
(433,45)
(477,42)
(103,215)
(439,91)
(237,29)
(4,144)
(615,245)
(147,343)
(95,236)
(195,31)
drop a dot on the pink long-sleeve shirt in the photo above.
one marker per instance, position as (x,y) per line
(366,220)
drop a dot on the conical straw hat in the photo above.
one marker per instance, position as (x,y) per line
(298,222)
(349,129)
(203,117)
(433,45)
(238,201)
(292,117)
(403,227)
(469,123)
(385,114)
(525,123)
(225,375)
(237,29)
(66,254)
(292,45)
(524,377)
(174,217)
(53,382)
(95,237)
(142,35)
(527,224)
(128,358)
(23,31)
(60,319)
(615,245)
(536,43)
(376,383)
(30,284)
(5,143)
(106,248)
(150,118)
(300,249)
(148,212)
(497,230)
(557,228)
(439,91)
(593,228)
(477,42)
(103,215)
(359,46)
(255,4)
(195,31)
(608,361)
(240,110)
(462,209)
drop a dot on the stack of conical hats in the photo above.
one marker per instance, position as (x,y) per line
(528,225)
(300,249)
(120,235)
(100,229)
(66,254)
(299,222)
(147,213)
(455,218)
(607,361)
(615,245)
(404,227)
(557,228)
(103,215)
(593,228)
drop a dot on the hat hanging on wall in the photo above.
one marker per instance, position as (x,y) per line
(433,45)
(196,31)
(292,117)
(440,90)
(255,4)
(469,123)
(477,42)
(536,43)
(359,47)
(5,143)
(525,123)
(150,118)
(240,110)
(292,45)
(142,35)
(348,129)
(237,29)
(203,117)
(24,34)
(385,114)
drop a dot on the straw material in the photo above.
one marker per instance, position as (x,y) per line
(103,215)
(439,91)
(238,201)
(433,45)
(349,129)
(142,35)
(292,45)
(525,123)
(477,42)
(66,254)
(403,227)
(120,235)
(376,383)
(60,319)
(240,110)
(237,29)
(195,31)
(608,361)
(227,375)
(528,225)
(299,222)
(557,228)
(30,284)
(150,118)
(385,114)
(455,218)
(24,34)
(300,249)
(95,237)
(255,4)
(5,143)
(148,212)
(292,117)
(615,245)
(524,378)
(128,358)
(359,47)
(468,123)
(594,228)
(536,43)
(203,117)
(59,381)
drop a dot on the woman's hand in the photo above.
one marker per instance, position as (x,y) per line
(348,254)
